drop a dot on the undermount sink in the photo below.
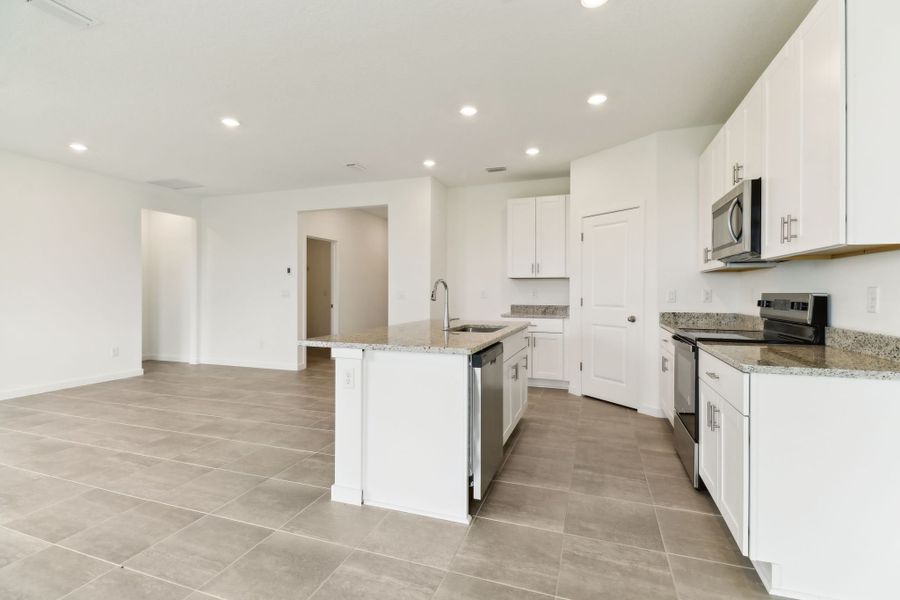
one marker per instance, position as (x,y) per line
(476,328)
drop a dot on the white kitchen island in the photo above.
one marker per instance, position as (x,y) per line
(402,415)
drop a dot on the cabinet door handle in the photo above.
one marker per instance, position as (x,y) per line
(515,372)
(711,375)
(539,268)
(705,255)
(708,413)
(532,266)
(526,362)
(665,365)
(715,418)
(790,228)
(740,173)
(783,229)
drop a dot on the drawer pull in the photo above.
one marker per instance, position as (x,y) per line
(711,375)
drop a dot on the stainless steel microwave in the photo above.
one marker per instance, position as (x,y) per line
(737,223)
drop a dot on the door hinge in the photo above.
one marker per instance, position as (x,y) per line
(580,366)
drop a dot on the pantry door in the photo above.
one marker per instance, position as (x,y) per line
(613,294)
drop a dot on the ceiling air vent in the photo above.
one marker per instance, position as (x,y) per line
(176,184)
(495,169)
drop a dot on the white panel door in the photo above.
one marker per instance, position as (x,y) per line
(734,440)
(520,237)
(547,354)
(613,293)
(551,236)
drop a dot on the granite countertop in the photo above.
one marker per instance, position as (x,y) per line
(789,359)
(537,311)
(673,321)
(419,336)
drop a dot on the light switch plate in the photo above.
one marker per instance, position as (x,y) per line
(672,296)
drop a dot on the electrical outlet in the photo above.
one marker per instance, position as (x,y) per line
(872,293)
(706,296)
(348,379)
(672,296)
(115,351)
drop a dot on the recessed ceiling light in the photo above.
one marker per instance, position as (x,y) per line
(230,122)
(533,151)
(592,3)
(78,147)
(597,99)
(428,163)
(468,111)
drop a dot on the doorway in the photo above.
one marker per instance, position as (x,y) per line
(613,294)
(169,282)
(342,268)
(320,292)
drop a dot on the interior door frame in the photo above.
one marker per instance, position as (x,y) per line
(641,311)
(303,286)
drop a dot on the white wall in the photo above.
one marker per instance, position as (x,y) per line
(476,251)
(169,308)
(657,173)
(362,264)
(439,248)
(70,273)
(249,302)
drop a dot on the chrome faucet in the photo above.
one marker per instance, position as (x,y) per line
(446,301)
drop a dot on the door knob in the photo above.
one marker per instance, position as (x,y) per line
(632,318)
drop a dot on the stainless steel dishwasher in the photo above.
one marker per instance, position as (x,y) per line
(485,417)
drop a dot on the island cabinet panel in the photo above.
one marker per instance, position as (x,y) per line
(515,391)
(416,433)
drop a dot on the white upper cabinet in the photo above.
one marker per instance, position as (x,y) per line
(804,191)
(710,188)
(744,140)
(520,237)
(536,236)
(820,129)
(551,236)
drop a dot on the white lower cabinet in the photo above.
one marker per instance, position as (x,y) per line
(547,356)
(724,444)
(515,391)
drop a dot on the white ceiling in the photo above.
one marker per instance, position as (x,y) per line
(320,83)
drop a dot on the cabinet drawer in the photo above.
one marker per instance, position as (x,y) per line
(731,384)
(545,326)
(512,345)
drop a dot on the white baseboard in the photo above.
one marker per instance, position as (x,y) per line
(652,411)
(250,364)
(346,495)
(464,519)
(169,358)
(29,390)
(548,383)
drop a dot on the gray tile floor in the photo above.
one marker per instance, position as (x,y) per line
(212,482)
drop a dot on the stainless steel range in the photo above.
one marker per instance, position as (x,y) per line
(787,319)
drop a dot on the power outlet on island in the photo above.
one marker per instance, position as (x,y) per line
(672,296)
(706,296)
(872,299)
(348,379)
